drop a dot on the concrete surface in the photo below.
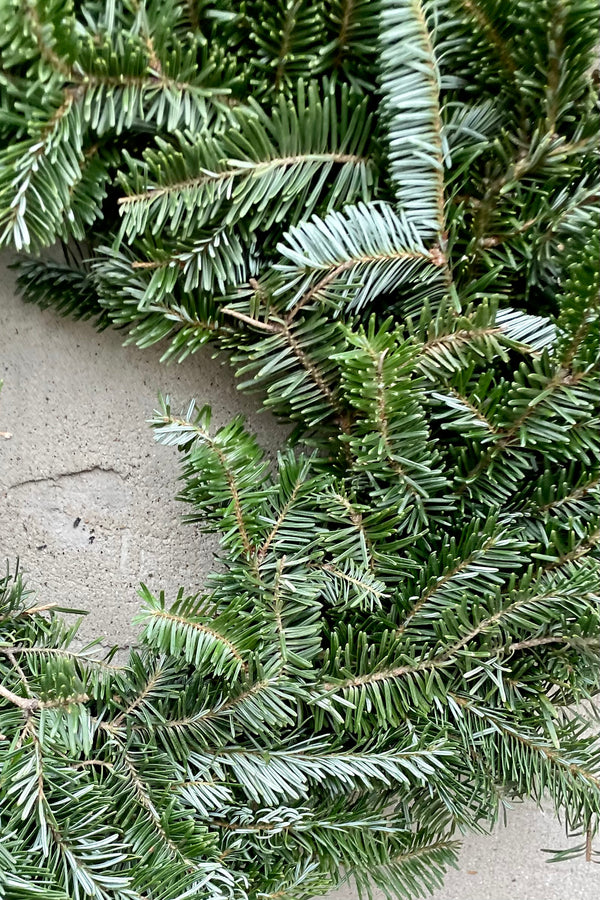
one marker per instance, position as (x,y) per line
(87,496)
(86,502)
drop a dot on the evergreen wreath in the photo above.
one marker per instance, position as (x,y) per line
(385,213)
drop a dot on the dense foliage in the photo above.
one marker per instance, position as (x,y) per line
(386,214)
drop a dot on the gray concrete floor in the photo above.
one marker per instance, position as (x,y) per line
(80,452)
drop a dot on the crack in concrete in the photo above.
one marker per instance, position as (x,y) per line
(55,479)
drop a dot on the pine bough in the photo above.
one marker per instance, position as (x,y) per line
(386,214)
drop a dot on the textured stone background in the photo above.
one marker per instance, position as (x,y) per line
(81,452)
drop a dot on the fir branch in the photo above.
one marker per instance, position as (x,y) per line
(272,327)
(46,50)
(562,379)
(348,12)
(335,271)
(291,9)
(187,426)
(168,617)
(29,611)
(476,412)
(259,168)
(356,582)
(144,800)
(457,338)
(264,548)
(555,47)
(475,11)
(356,518)
(27,704)
(576,494)
(411,104)
(533,643)
(314,374)
(570,768)
(153,678)
(350,249)
(442,659)
(65,653)
(582,549)
(434,589)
